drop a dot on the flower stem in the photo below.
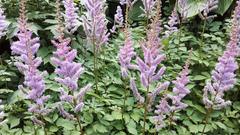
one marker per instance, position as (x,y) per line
(203,30)
(95,65)
(145,110)
(124,101)
(209,111)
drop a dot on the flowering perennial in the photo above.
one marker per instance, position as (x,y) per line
(179,92)
(209,6)
(26,48)
(3,23)
(183,8)
(95,23)
(126,54)
(71,16)
(173,21)
(118,17)
(148,6)
(223,76)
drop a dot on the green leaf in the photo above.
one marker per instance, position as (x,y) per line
(100,128)
(117,115)
(13,121)
(131,126)
(223,6)
(221,125)
(5,91)
(67,124)
(199,77)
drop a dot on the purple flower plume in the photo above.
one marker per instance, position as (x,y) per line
(71,16)
(136,94)
(118,17)
(3,23)
(26,48)
(179,92)
(68,72)
(162,109)
(180,89)
(148,6)
(209,6)
(95,23)
(223,76)
(173,21)
(148,66)
(126,54)
(183,8)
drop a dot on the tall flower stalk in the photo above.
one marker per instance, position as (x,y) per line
(68,73)
(3,23)
(71,16)
(95,27)
(148,66)
(179,91)
(26,48)
(223,76)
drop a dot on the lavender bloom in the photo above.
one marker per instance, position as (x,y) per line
(183,7)
(180,90)
(162,109)
(128,2)
(148,66)
(68,71)
(209,6)
(26,48)
(136,94)
(148,6)
(126,54)
(65,114)
(173,21)
(95,23)
(3,23)
(71,17)
(223,76)
(118,17)
(155,93)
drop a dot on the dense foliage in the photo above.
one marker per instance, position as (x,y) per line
(123,67)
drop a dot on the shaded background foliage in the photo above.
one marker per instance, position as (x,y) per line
(102,113)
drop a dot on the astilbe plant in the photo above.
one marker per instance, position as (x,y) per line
(26,48)
(223,76)
(149,66)
(180,90)
(3,23)
(95,27)
(183,9)
(209,6)
(171,26)
(148,7)
(71,16)
(68,73)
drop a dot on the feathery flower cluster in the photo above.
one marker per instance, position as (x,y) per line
(179,92)
(118,17)
(183,8)
(126,54)
(71,17)
(209,6)
(3,23)
(173,21)
(68,73)
(223,76)
(26,48)
(148,6)
(95,23)
(2,114)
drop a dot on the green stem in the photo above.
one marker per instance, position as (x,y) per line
(145,110)
(124,101)
(95,65)
(202,34)
(209,111)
